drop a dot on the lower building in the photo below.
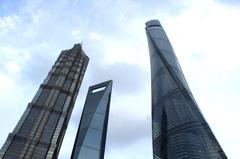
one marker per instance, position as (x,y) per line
(91,136)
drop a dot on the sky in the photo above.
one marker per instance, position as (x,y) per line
(205,36)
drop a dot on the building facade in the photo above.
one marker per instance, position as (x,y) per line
(179,128)
(40,131)
(92,130)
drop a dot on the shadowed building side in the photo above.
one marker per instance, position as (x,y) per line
(179,130)
(40,131)
(91,136)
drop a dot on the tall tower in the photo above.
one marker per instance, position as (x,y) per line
(179,128)
(40,131)
(92,130)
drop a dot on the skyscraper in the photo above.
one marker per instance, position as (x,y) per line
(40,131)
(179,128)
(92,130)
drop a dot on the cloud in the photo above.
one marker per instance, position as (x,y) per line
(11,103)
(9,7)
(36,68)
(76,34)
(8,23)
(128,78)
(124,129)
(230,2)
(136,150)
(12,66)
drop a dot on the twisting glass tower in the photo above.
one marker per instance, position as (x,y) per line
(40,131)
(179,128)
(92,130)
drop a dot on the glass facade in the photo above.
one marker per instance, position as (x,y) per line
(92,130)
(40,131)
(179,130)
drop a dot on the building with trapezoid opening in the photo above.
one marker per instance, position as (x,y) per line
(91,136)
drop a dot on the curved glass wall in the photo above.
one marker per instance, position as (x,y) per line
(179,128)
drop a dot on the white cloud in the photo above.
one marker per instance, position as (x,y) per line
(12,66)
(8,23)
(6,83)
(94,36)
(11,101)
(137,150)
(76,34)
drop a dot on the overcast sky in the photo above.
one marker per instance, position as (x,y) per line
(205,35)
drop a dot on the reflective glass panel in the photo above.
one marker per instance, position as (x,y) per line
(93,138)
(102,105)
(43,97)
(97,121)
(88,153)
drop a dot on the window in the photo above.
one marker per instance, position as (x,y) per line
(68,63)
(93,138)
(50,127)
(88,153)
(60,101)
(67,84)
(29,122)
(98,89)
(71,74)
(43,97)
(53,80)
(97,121)
(74,68)
(40,151)
(58,70)
(15,148)
(102,106)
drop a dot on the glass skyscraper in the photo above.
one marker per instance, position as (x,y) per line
(40,131)
(92,130)
(179,128)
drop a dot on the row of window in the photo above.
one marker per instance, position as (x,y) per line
(33,115)
(29,122)
(50,127)
(15,148)
(58,129)
(69,58)
(74,65)
(40,151)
